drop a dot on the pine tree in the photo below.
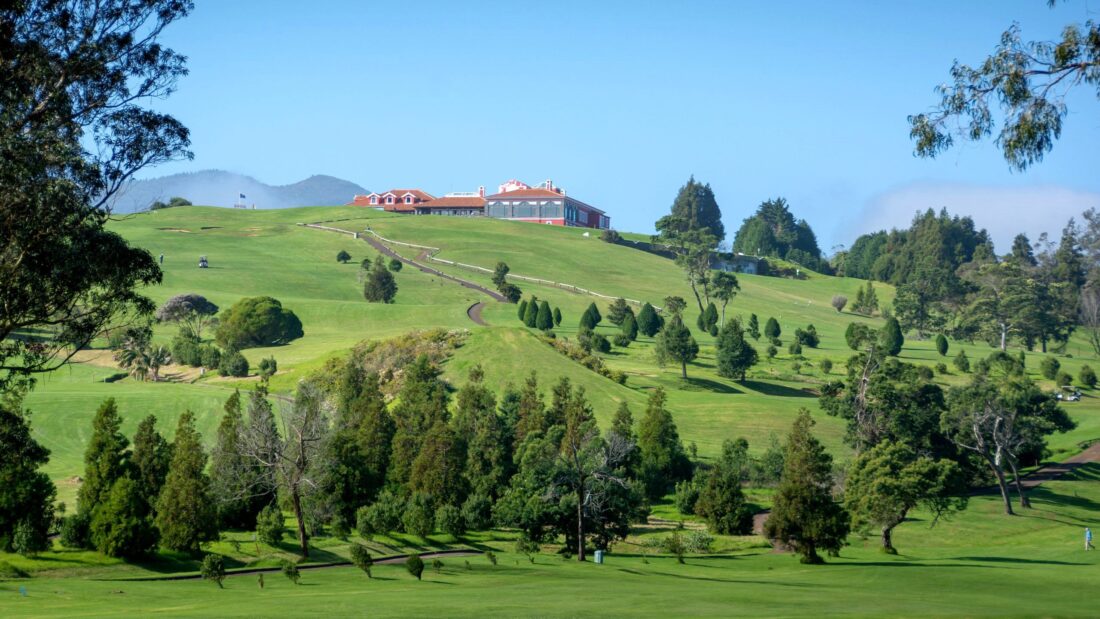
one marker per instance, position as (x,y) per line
(675,343)
(121,525)
(617,311)
(804,514)
(595,312)
(557,317)
(521,311)
(622,426)
(231,475)
(663,460)
(105,459)
(151,457)
(481,432)
(754,327)
(588,320)
(721,501)
(544,321)
(375,433)
(892,338)
(381,287)
(531,412)
(530,318)
(421,404)
(630,327)
(186,515)
(734,355)
(438,467)
(647,320)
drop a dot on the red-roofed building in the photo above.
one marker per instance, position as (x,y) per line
(515,200)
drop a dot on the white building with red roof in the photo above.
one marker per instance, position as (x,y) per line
(514,200)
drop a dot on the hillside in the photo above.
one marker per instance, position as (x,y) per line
(221,188)
(265,253)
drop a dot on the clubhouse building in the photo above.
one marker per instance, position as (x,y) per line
(515,200)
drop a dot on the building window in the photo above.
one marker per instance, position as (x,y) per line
(374,199)
(408,199)
(389,199)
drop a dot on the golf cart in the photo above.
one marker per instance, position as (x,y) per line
(1069,393)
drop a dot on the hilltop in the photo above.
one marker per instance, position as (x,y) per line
(221,188)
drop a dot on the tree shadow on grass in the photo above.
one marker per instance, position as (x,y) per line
(695,383)
(1046,496)
(1018,560)
(777,390)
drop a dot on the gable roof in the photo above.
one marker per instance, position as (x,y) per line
(423,196)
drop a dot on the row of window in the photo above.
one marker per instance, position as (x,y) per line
(390,200)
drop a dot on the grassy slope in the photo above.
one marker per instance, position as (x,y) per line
(979,564)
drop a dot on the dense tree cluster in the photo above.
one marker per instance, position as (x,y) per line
(773,231)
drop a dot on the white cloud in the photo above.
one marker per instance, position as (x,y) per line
(1002,210)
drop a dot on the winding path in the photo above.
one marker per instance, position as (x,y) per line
(474,312)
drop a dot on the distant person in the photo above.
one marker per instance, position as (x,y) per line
(162,257)
(1088,539)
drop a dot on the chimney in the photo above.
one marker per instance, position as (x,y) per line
(549,185)
(481,191)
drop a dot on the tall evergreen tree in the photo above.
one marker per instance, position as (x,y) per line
(557,317)
(105,459)
(772,331)
(121,525)
(663,459)
(231,475)
(734,355)
(544,320)
(530,318)
(617,311)
(521,310)
(754,327)
(481,431)
(186,515)
(595,312)
(421,404)
(648,322)
(375,433)
(892,338)
(696,207)
(261,425)
(676,344)
(804,514)
(151,457)
(1022,252)
(531,411)
(721,501)
(630,326)
(437,471)
(622,430)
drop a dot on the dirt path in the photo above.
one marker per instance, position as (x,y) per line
(378,245)
(391,560)
(474,312)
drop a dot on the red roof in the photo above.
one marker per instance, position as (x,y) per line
(535,192)
(454,202)
(423,196)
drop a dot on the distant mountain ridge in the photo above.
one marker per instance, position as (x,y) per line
(221,188)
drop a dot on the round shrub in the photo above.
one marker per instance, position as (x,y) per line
(257,321)
(1063,378)
(621,340)
(795,348)
(477,512)
(361,558)
(448,519)
(415,565)
(210,357)
(233,364)
(270,527)
(268,366)
(941,368)
(771,352)
(186,351)
(924,372)
(213,568)
(395,265)
(962,362)
(826,366)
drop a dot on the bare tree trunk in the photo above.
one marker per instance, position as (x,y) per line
(684,369)
(580,522)
(1004,337)
(303,540)
(1025,503)
(1003,487)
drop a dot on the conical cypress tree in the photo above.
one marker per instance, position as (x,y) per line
(231,475)
(557,317)
(530,318)
(647,320)
(105,459)
(772,330)
(941,345)
(375,433)
(734,355)
(754,327)
(521,311)
(675,343)
(892,338)
(710,316)
(588,320)
(804,514)
(186,515)
(630,326)
(545,318)
(381,287)
(595,312)
(121,525)
(151,458)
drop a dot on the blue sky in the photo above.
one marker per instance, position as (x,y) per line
(619,102)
